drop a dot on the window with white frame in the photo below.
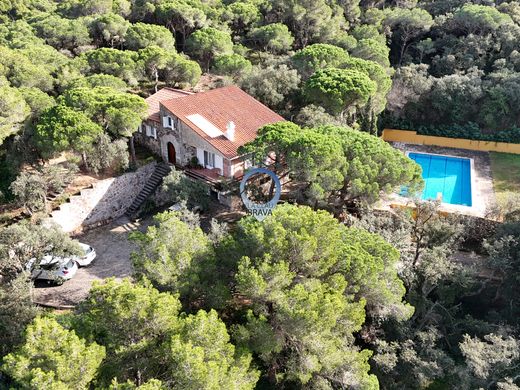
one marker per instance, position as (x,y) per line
(168,121)
(151,131)
(209,159)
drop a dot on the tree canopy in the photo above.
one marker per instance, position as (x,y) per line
(339,90)
(338,165)
(207,43)
(380,300)
(14,111)
(319,56)
(62,128)
(301,278)
(146,337)
(53,357)
(181,264)
(142,35)
(274,37)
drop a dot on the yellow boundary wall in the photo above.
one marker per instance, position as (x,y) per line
(411,137)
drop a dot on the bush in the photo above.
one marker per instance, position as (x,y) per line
(30,189)
(194,163)
(57,177)
(106,154)
(179,188)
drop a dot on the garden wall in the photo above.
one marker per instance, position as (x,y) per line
(107,200)
(411,137)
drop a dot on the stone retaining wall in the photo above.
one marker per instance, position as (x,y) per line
(107,200)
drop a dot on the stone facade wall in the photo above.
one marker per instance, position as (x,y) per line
(185,141)
(149,142)
(107,200)
(184,136)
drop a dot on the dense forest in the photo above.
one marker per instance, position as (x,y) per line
(327,294)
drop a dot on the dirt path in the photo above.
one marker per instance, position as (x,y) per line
(113,260)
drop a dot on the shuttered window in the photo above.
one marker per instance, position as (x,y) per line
(209,159)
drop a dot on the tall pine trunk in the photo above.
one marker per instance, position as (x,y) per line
(84,160)
(133,159)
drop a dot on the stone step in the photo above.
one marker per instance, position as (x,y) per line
(138,201)
(151,185)
(136,204)
(156,178)
(143,194)
(163,171)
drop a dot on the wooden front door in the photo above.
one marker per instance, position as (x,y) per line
(171,153)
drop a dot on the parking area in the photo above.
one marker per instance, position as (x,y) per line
(113,257)
(113,260)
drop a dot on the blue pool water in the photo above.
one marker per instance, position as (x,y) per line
(450,176)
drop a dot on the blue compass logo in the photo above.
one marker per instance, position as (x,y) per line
(260,210)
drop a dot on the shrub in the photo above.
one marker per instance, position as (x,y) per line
(106,154)
(30,189)
(179,188)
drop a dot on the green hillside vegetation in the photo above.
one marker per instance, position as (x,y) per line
(326,293)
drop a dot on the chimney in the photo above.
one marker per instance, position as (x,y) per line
(230,131)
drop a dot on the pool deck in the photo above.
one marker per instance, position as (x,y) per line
(483,194)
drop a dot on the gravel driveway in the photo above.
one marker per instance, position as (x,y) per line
(113,259)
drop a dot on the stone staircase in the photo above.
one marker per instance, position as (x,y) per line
(53,195)
(23,215)
(102,202)
(161,170)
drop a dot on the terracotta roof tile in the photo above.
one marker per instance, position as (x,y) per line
(220,106)
(163,94)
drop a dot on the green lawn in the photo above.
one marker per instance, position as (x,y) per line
(505,168)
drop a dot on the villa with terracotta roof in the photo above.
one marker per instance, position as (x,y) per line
(204,129)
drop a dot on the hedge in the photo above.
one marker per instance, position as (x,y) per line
(468,130)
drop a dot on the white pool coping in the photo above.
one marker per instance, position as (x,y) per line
(473,184)
(482,191)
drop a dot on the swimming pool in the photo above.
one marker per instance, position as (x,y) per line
(446,175)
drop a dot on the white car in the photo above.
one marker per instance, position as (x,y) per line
(180,206)
(53,269)
(87,258)
(176,207)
